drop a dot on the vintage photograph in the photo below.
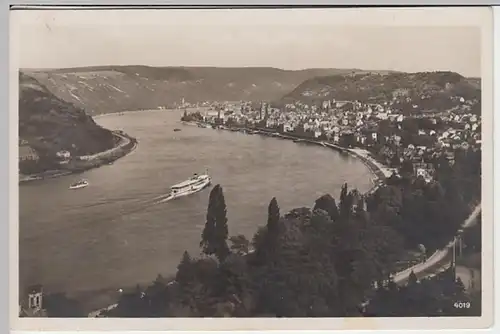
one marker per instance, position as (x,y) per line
(258,163)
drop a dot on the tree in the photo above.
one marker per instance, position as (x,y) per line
(157,297)
(345,203)
(132,304)
(327,203)
(406,168)
(215,234)
(395,162)
(273,218)
(347,140)
(240,244)
(473,237)
(185,270)
(264,241)
(301,279)
(393,179)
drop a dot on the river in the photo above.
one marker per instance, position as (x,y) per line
(113,234)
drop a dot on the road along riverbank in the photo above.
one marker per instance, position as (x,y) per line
(439,258)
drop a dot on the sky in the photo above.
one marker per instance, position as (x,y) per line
(372,40)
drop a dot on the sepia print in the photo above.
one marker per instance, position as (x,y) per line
(258,163)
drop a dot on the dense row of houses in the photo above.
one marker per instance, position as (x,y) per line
(333,120)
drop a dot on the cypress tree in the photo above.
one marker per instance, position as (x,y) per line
(215,234)
(266,238)
(345,203)
(273,217)
(343,193)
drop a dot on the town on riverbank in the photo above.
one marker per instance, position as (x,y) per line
(381,135)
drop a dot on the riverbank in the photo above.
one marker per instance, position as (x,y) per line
(126,112)
(378,170)
(125,144)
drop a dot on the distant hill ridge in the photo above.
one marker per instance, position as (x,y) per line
(102,89)
(434,88)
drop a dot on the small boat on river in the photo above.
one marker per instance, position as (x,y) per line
(177,130)
(80,184)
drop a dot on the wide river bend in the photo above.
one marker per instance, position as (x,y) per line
(112,234)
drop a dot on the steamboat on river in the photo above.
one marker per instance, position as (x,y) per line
(193,185)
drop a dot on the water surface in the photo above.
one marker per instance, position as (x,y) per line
(112,234)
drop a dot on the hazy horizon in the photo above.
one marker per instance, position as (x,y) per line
(232,67)
(292,40)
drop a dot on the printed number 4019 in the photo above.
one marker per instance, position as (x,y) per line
(461,305)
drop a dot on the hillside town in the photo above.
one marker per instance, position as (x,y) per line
(390,135)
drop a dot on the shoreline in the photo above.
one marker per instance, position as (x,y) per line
(114,153)
(126,112)
(127,145)
(379,171)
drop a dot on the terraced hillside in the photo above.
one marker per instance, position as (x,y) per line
(431,90)
(106,89)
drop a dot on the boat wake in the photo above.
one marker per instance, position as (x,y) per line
(163,199)
(128,206)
